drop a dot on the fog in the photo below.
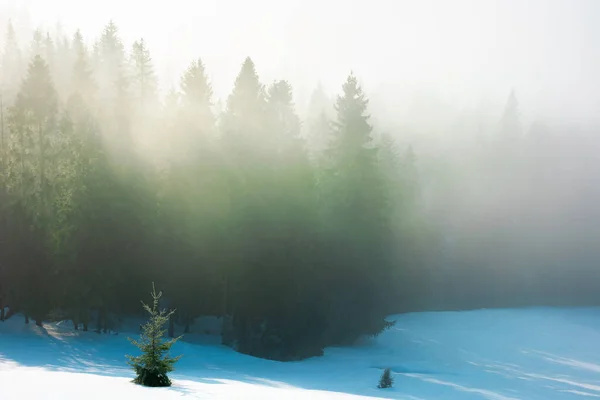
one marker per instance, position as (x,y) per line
(464,51)
(499,99)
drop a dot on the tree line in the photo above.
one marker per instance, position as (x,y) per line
(299,234)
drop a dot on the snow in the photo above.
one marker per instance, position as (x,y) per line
(485,354)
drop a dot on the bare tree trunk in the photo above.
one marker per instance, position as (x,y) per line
(103,320)
(171,327)
(86,318)
(43,190)
(99,322)
(224,303)
(38,321)
(226,319)
(2,156)
(26,319)
(2,148)
(187,320)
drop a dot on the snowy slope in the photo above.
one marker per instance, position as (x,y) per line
(487,354)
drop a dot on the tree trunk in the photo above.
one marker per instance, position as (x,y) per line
(85,319)
(104,320)
(187,324)
(99,322)
(26,319)
(2,129)
(1,312)
(224,303)
(227,335)
(38,322)
(171,327)
(75,325)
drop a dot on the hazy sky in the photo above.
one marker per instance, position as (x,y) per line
(548,50)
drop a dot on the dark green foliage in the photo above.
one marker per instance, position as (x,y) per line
(357,218)
(386,381)
(286,236)
(153,365)
(12,64)
(143,80)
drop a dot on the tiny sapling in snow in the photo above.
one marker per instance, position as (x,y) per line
(386,380)
(153,365)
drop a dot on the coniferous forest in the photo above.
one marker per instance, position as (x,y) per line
(233,217)
(300,232)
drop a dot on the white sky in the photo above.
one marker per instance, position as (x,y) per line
(548,50)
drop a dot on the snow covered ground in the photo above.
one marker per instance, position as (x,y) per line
(488,354)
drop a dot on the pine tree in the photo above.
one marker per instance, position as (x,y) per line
(36,48)
(153,365)
(114,105)
(3,211)
(248,186)
(195,87)
(143,83)
(246,104)
(318,129)
(196,96)
(510,124)
(192,190)
(285,123)
(408,230)
(88,183)
(32,166)
(358,217)
(50,54)
(34,118)
(295,325)
(64,58)
(11,65)
(109,58)
(82,81)
(319,103)
(3,140)
(386,381)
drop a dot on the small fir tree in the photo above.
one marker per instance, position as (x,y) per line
(386,380)
(152,366)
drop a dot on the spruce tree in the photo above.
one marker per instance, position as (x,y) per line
(510,124)
(3,211)
(386,381)
(143,83)
(109,55)
(246,104)
(110,74)
(317,129)
(11,66)
(243,124)
(32,166)
(36,46)
(196,106)
(153,365)
(64,59)
(82,82)
(358,217)
(50,54)
(196,89)
(192,191)
(295,323)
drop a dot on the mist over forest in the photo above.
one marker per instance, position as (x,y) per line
(300,170)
